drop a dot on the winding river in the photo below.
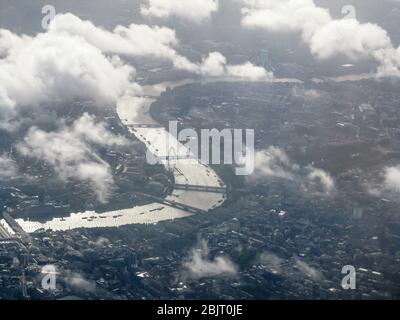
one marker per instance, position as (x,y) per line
(191,172)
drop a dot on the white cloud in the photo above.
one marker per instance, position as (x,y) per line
(68,151)
(215,65)
(76,59)
(200,266)
(387,185)
(52,67)
(389,62)
(96,132)
(284,15)
(129,106)
(348,37)
(249,72)
(308,270)
(286,267)
(273,162)
(306,94)
(325,36)
(272,262)
(8,167)
(78,282)
(157,42)
(392,179)
(101,242)
(134,40)
(190,10)
(323,178)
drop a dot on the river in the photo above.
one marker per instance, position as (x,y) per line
(185,172)
(190,172)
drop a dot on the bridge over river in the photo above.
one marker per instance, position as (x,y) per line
(198,187)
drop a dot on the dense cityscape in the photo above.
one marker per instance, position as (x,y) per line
(83,204)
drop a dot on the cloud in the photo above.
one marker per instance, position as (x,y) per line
(78,282)
(309,271)
(325,36)
(293,267)
(69,152)
(215,65)
(392,179)
(309,95)
(190,10)
(284,15)
(135,40)
(387,185)
(272,262)
(7,105)
(101,242)
(322,178)
(87,128)
(249,72)
(75,59)
(52,67)
(350,38)
(389,62)
(8,167)
(273,162)
(158,42)
(129,106)
(200,266)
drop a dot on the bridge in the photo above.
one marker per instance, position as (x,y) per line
(190,187)
(143,125)
(183,207)
(9,240)
(173,204)
(25,237)
(171,158)
(4,234)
